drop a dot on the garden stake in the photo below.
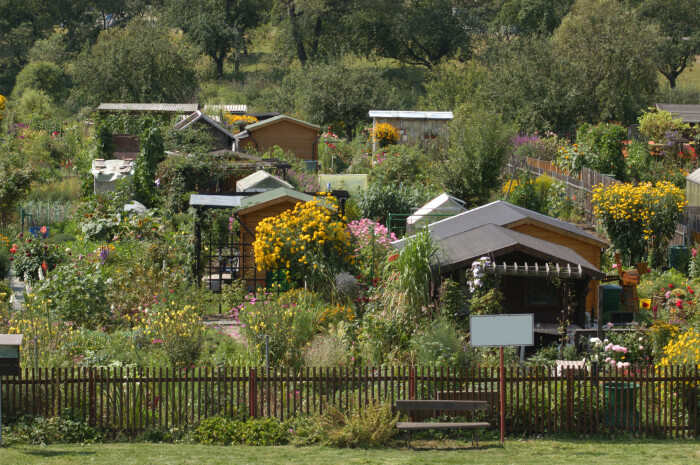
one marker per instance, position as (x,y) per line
(502,395)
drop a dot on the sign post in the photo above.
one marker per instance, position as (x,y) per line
(500,331)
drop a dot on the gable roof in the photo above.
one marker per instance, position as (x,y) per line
(199,116)
(690,113)
(261,180)
(444,203)
(505,214)
(462,249)
(235,108)
(278,119)
(255,202)
(164,107)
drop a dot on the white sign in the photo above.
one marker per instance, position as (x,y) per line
(501,330)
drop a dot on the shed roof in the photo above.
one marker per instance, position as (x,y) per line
(460,250)
(155,107)
(111,170)
(235,108)
(261,179)
(689,113)
(439,115)
(216,201)
(273,195)
(199,116)
(505,214)
(442,203)
(694,176)
(11,339)
(277,119)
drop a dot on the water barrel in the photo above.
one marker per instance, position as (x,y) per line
(679,257)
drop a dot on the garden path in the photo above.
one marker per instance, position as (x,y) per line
(18,289)
(228,327)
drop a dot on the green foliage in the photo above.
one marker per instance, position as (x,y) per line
(546,356)
(76,291)
(64,429)
(15,182)
(639,161)
(5,263)
(531,17)
(369,426)
(35,254)
(657,124)
(152,152)
(381,199)
(451,298)
(405,164)
(189,140)
(531,193)
(603,145)
(478,150)
(451,85)
(441,344)
(139,63)
(253,432)
(45,77)
(489,302)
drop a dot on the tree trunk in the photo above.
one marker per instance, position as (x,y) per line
(296,35)
(219,62)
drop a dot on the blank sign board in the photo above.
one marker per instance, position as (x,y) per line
(501,330)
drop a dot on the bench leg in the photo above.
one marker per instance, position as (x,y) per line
(475,439)
(408,440)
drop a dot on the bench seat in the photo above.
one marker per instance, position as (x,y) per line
(417,426)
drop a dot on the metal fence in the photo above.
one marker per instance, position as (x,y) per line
(580,186)
(539,400)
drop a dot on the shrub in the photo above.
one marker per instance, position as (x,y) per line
(656,124)
(34,256)
(381,199)
(329,349)
(405,164)
(603,144)
(55,430)
(253,432)
(179,328)
(385,134)
(220,431)
(440,345)
(369,426)
(372,243)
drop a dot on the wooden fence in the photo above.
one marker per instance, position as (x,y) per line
(580,186)
(539,400)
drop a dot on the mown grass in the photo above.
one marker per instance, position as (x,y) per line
(599,452)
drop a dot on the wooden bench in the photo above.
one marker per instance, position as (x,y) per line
(444,406)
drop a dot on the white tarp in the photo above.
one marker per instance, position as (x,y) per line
(107,172)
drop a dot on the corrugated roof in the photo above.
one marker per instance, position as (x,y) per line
(278,118)
(235,108)
(166,107)
(223,201)
(199,116)
(261,180)
(503,214)
(438,203)
(694,176)
(439,115)
(689,113)
(460,250)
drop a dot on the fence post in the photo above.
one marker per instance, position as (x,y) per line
(569,399)
(92,396)
(412,383)
(252,393)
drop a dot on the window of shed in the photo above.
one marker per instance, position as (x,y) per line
(541,292)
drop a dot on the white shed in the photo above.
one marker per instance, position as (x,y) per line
(261,181)
(441,207)
(107,172)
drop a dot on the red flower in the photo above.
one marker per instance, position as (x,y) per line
(679,304)
(645,305)
(670,286)
(393,257)
(44,266)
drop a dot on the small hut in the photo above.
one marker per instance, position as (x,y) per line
(106,173)
(261,181)
(441,207)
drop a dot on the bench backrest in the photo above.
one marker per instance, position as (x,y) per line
(453,405)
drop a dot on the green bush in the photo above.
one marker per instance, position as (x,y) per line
(55,430)
(370,426)
(34,255)
(217,430)
(440,345)
(4,261)
(253,432)
(381,199)
(603,144)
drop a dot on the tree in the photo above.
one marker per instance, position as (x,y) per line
(219,27)
(609,53)
(417,32)
(530,17)
(45,77)
(335,94)
(679,42)
(477,154)
(139,63)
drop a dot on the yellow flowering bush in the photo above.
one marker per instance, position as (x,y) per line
(684,349)
(637,217)
(3,102)
(310,241)
(238,122)
(385,134)
(571,158)
(334,314)
(180,330)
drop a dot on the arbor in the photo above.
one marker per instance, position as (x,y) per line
(679,40)
(139,63)
(609,55)
(219,27)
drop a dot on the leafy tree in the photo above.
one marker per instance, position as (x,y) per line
(609,54)
(477,154)
(417,32)
(680,35)
(45,77)
(335,94)
(152,152)
(219,27)
(139,63)
(451,84)
(15,181)
(530,17)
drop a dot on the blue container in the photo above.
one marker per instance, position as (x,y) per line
(36,232)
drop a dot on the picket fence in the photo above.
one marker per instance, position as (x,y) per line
(539,400)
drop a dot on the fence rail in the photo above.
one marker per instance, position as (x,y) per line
(539,400)
(581,185)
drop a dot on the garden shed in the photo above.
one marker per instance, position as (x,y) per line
(441,207)
(414,124)
(222,136)
(692,188)
(290,134)
(690,113)
(528,250)
(106,173)
(261,181)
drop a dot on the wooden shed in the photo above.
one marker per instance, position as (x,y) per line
(290,134)
(253,210)
(199,120)
(526,247)
(414,124)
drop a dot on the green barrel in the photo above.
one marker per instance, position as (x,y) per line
(679,257)
(621,405)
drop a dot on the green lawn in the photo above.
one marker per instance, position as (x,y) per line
(540,452)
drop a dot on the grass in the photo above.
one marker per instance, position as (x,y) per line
(600,452)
